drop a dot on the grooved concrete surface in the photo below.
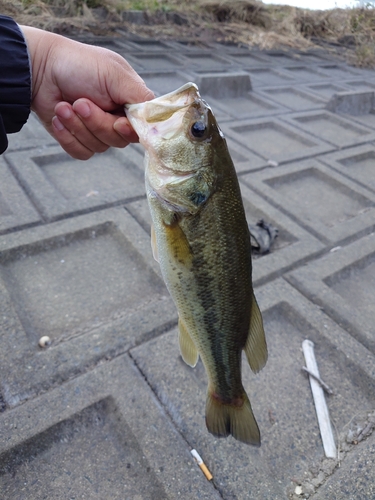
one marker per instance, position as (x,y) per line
(108,410)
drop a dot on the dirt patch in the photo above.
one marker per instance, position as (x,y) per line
(350,33)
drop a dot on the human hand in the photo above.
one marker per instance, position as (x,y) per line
(79,92)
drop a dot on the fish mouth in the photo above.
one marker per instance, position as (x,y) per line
(163,115)
(180,98)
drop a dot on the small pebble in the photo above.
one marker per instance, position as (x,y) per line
(44,341)
(272,163)
(298,490)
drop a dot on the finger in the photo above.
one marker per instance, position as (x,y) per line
(69,142)
(101,124)
(78,129)
(120,71)
(124,129)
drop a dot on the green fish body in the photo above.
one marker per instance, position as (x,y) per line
(201,240)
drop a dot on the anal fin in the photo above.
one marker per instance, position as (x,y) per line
(256,347)
(188,350)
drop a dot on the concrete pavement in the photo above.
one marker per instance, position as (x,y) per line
(109,409)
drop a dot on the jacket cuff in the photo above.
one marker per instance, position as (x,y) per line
(15,78)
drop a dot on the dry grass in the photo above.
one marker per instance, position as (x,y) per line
(251,12)
(350,32)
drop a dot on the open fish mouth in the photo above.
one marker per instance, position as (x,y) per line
(163,116)
(166,104)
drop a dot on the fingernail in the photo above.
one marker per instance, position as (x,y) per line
(82,108)
(57,124)
(64,112)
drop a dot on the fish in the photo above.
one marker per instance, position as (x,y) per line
(200,238)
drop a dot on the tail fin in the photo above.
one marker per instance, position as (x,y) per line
(236,419)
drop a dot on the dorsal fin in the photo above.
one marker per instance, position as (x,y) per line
(256,347)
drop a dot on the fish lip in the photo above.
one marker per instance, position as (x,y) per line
(161,108)
(162,117)
(166,97)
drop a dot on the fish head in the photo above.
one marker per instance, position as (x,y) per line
(178,131)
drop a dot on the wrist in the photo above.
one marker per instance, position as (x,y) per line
(39,44)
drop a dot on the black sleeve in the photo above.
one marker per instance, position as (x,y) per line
(15,80)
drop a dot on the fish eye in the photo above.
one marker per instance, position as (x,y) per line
(198,129)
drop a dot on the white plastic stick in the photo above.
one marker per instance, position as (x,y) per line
(319,401)
(321,382)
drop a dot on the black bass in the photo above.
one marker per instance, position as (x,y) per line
(201,240)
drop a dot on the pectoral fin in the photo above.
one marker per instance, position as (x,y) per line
(178,245)
(188,350)
(256,347)
(153,244)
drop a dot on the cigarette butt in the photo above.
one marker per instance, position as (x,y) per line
(202,465)
(205,471)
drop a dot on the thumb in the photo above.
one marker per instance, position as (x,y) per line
(124,84)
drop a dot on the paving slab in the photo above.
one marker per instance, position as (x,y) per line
(293,98)
(32,136)
(292,246)
(149,45)
(311,59)
(90,284)
(342,282)
(207,60)
(102,435)
(312,56)
(243,159)
(327,89)
(366,120)
(332,128)
(305,73)
(155,61)
(354,103)
(222,84)
(359,85)
(246,59)
(122,47)
(337,71)
(249,105)
(280,395)
(164,82)
(275,140)
(59,185)
(16,211)
(327,204)
(195,45)
(278,57)
(268,77)
(355,163)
